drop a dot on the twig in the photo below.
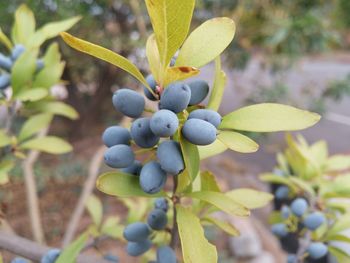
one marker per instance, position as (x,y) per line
(34,251)
(87,190)
(31,192)
(174,231)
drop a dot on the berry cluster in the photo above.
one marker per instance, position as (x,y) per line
(300,218)
(178,111)
(6,63)
(139,234)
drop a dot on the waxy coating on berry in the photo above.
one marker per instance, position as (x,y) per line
(299,206)
(111,258)
(152,178)
(199,132)
(119,156)
(17,50)
(5,62)
(116,135)
(314,220)
(5,81)
(136,249)
(164,123)
(157,219)
(317,250)
(51,256)
(40,64)
(136,232)
(153,84)
(161,203)
(279,230)
(142,134)
(285,212)
(129,102)
(170,157)
(133,169)
(175,97)
(206,115)
(199,91)
(282,192)
(166,254)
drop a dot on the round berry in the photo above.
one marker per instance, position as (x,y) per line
(17,50)
(199,91)
(170,157)
(157,219)
(116,135)
(166,254)
(206,115)
(164,123)
(136,232)
(152,178)
(136,249)
(175,97)
(314,220)
(153,84)
(279,230)
(285,212)
(299,206)
(317,250)
(282,192)
(51,256)
(142,134)
(161,203)
(119,156)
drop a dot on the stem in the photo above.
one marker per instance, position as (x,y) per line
(303,247)
(174,231)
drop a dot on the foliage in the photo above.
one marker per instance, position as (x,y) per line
(310,173)
(27,97)
(191,184)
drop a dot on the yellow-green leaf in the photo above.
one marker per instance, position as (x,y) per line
(269,117)
(238,142)
(70,253)
(208,182)
(94,206)
(218,87)
(250,198)
(112,228)
(104,54)
(51,30)
(221,201)
(171,21)
(57,108)
(32,94)
(338,163)
(4,139)
(152,54)
(23,70)
(4,178)
(225,226)
(277,179)
(122,185)
(34,124)
(179,73)
(340,255)
(195,247)
(210,150)
(24,26)
(48,144)
(206,42)
(5,40)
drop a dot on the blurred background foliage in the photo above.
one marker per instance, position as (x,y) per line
(281,30)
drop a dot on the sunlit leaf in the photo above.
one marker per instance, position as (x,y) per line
(5,40)
(213,149)
(32,94)
(195,247)
(4,139)
(276,179)
(341,224)
(104,54)
(250,198)
(94,206)
(112,228)
(57,108)
(24,26)
(171,21)
(340,255)
(48,144)
(208,182)
(152,54)
(122,185)
(225,226)
(269,117)
(179,73)
(338,163)
(69,254)
(218,87)
(238,142)
(34,124)
(206,42)
(221,201)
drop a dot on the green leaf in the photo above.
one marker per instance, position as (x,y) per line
(4,39)
(152,54)
(273,178)
(23,70)
(104,54)
(341,238)
(5,167)
(218,87)
(210,150)
(225,226)
(195,247)
(191,158)
(57,108)
(221,201)
(48,144)
(341,224)
(51,30)
(208,182)
(4,178)
(305,186)
(174,74)
(338,163)
(238,142)
(112,228)
(122,185)
(33,125)
(24,26)
(206,42)
(70,253)
(269,117)
(340,255)
(171,21)
(4,139)
(32,94)
(250,198)
(94,206)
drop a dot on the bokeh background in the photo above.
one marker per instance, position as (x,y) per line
(292,52)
